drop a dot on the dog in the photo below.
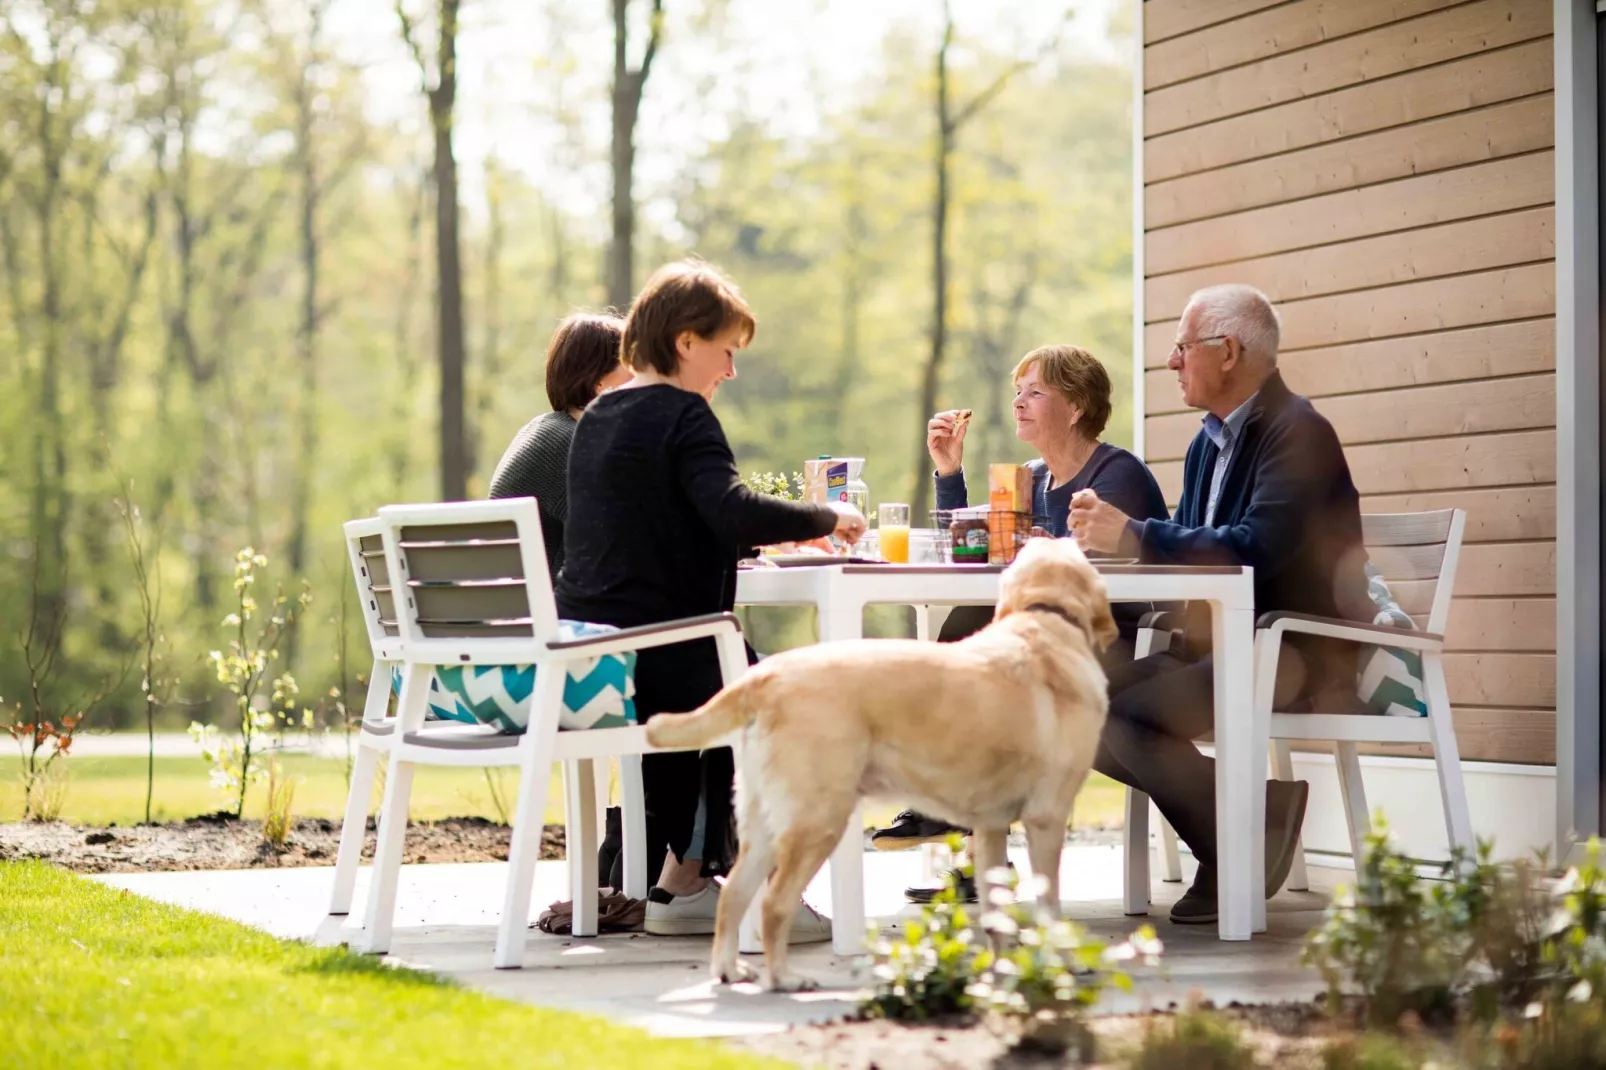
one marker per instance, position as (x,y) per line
(997,728)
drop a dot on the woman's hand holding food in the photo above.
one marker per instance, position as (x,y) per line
(945,440)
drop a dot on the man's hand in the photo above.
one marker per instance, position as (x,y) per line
(1097,525)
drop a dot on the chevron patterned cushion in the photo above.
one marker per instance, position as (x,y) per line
(1389,680)
(599,692)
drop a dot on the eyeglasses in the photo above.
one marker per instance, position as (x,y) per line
(1178,349)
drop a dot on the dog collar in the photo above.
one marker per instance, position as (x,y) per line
(1045,607)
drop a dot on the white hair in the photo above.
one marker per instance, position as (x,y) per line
(1241,312)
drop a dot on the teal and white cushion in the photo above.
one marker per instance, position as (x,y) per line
(598,693)
(1389,680)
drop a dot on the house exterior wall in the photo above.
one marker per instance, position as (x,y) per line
(1384,170)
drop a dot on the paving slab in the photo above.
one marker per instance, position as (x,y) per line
(446,922)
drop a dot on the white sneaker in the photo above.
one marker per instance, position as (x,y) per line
(693,915)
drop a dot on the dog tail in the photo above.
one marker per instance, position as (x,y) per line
(727,712)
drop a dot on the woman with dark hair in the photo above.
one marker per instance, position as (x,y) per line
(582,360)
(657,522)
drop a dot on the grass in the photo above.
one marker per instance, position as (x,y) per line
(95,977)
(106,790)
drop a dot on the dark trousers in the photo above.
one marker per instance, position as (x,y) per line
(678,679)
(1158,706)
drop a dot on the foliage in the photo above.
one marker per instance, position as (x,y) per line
(44,745)
(1044,971)
(1372,1051)
(927,972)
(243,671)
(1192,1040)
(277,819)
(500,791)
(1492,934)
(186,989)
(776,485)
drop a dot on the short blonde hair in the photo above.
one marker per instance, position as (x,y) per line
(1077,375)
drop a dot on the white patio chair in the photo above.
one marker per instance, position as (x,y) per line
(474,589)
(1416,554)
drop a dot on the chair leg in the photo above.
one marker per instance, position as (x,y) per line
(580,801)
(535,766)
(1447,755)
(602,784)
(1169,853)
(1353,791)
(392,834)
(1282,767)
(1135,895)
(633,814)
(353,829)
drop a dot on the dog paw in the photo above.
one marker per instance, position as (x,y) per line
(734,972)
(792,982)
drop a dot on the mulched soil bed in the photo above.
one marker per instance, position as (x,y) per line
(220,842)
(1284,1035)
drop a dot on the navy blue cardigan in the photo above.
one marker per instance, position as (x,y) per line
(1289,509)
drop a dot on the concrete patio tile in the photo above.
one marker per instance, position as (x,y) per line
(446,923)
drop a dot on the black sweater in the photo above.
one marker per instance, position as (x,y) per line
(659,516)
(536,465)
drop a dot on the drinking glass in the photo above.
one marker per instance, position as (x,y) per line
(892,531)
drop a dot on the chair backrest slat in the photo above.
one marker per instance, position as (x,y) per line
(365,546)
(1416,554)
(470,570)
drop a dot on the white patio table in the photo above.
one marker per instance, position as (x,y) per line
(841,592)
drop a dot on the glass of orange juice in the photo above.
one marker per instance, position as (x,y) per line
(892,531)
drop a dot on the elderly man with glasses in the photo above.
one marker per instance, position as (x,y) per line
(1265,484)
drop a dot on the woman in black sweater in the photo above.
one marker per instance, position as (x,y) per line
(582,361)
(657,521)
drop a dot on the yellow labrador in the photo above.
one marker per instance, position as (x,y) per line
(997,728)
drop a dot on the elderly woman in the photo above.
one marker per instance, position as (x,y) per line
(1062,402)
(582,360)
(658,519)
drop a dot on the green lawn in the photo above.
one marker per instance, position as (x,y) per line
(94,977)
(104,790)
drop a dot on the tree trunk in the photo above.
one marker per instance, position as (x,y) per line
(454,457)
(490,369)
(628,86)
(920,496)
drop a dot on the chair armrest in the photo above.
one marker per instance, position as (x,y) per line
(1353,631)
(650,635)
(1159,620)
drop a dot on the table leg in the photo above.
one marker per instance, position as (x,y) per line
(842,620)
(1240,776)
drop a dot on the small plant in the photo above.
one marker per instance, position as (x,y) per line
(243,669)
(145,555)
(276,819)
(44,746)
(1373,1051)
(501,793)
(1044,972)
(1193,1040)
(777,485)
(925,974)
(1387,939)
(1576,932)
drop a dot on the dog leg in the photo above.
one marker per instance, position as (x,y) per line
(1044,842)
(991,847)
(747,876)
(799,855)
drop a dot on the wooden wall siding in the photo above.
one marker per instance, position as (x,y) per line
(1384,170)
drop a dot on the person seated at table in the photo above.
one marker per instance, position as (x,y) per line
(1265,484)
(658,519)
(582,360)
(1062,402)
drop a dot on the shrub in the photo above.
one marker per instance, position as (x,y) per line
(925,973)
(1576,932)
(277,820)
(44,748)
(1193,1040)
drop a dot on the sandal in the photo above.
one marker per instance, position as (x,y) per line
(616,913)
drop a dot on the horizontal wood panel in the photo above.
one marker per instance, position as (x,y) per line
(1512,624)
(1280,29)
(1434,145)
(1473,82)
(1449,356)
(1466,192)
(1400,46)
(1501,679)
(1506,568)
(1171,18)
(1427,252)
(1431,464)
(1505,294)
(1522,737)
(1424,412)
(1503,514)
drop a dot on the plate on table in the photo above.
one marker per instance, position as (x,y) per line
(795,560)
(1114,561)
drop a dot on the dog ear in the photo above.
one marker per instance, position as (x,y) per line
(1105,631)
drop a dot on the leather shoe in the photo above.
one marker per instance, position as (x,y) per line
(1285,816)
